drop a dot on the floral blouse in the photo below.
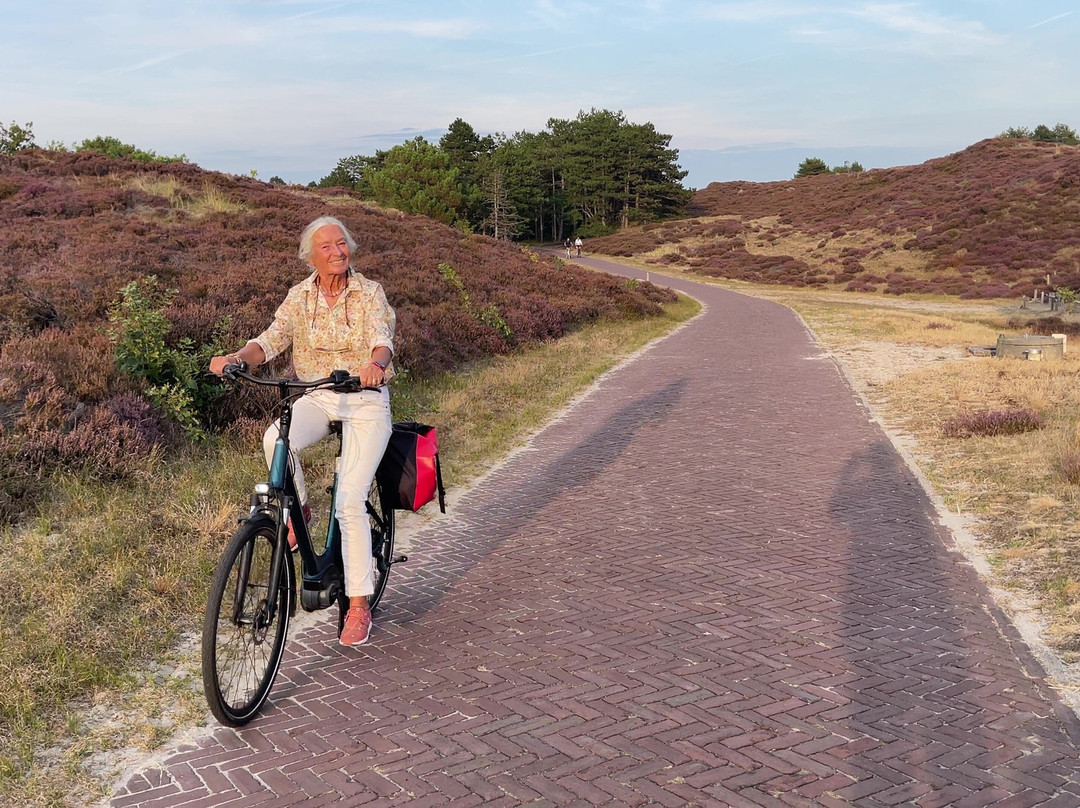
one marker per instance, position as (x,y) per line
(324,339)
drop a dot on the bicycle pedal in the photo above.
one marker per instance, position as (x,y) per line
(401,559)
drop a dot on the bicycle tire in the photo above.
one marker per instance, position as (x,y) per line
(381,518)
(241,658)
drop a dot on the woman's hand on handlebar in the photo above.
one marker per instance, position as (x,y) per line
(371,375)
(218,363)
(251,353)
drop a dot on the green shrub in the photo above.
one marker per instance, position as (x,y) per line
(489,315)
(113,147)
(175,374)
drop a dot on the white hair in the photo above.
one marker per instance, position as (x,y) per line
(308,235)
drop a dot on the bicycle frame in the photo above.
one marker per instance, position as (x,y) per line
(323,576)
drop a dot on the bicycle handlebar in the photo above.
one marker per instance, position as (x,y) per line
(339,380)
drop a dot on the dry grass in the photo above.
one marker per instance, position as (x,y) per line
(201,202)
(160,185)
(815,250)
(212,200)
(112,577)
(856,319)
(103,598)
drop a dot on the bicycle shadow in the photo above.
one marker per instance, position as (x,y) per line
(930,636)
(500,507)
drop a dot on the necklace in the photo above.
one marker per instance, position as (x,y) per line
(328,291)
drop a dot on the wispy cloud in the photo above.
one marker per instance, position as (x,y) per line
(516,57)
(766,11)
(1052,19)
(909,18)
(885,26)
(549,9)
(145,63)
(225,33)
(424,29)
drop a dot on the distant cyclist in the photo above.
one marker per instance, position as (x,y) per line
(577,245)
(569,247)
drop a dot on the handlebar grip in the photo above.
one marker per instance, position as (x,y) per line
(352,385)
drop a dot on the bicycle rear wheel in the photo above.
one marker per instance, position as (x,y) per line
(382,540)
(242,645)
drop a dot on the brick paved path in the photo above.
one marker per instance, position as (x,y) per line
(712,583)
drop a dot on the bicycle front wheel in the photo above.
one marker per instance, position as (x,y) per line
(245,626)
(381,518)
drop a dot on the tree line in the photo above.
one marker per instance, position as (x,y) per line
(813,166)
(16,137)
(590,175)
(1060,133)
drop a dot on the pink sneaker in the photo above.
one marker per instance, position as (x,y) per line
(357,628)
(292,534)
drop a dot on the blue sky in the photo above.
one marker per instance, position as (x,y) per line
(745,89)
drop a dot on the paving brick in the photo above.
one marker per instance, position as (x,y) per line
(713,581)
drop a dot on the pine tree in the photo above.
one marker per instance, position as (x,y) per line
(812,166)
(502,220)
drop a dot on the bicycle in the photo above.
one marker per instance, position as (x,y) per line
(253,592)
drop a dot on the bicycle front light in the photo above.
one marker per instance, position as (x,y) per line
(261,495)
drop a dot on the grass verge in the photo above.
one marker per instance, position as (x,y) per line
(100,616)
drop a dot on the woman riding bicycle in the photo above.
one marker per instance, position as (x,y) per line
(335,319)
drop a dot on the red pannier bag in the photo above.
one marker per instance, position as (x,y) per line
(409,473)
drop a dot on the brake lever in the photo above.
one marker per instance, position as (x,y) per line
(230,371)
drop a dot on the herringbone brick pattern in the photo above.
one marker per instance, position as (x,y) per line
(713,583)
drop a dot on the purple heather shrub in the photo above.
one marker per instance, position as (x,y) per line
(1043,326)
(986,290)
(986,423)
(1070,466)
(855,252)
(33,189)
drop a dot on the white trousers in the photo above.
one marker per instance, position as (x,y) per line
(365,431)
